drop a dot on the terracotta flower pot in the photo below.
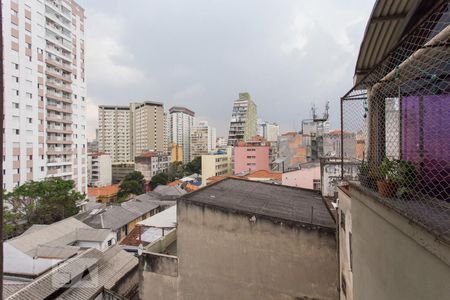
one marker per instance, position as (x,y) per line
(386,188)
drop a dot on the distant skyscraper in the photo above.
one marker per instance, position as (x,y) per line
(203,139)
(221,142)
(45,92)
(181,124)
(127,131)
(270,131)
(243,119)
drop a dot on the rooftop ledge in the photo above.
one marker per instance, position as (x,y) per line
(428,213)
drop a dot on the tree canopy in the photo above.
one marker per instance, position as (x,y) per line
(41,202)
(133,183)
(194,166)
(160,178)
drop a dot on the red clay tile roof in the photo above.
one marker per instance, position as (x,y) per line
(175,183)
(109,190)
(265,174)
(191,187)
(147,154)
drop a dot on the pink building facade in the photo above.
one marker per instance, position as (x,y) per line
(308,177)
(251,158)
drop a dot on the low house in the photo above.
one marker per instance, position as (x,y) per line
(42,247)
(122,218)
(242,239)
(151,229)
(104,194)
(92,274)
(306,176)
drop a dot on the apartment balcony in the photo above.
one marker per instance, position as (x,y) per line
(55,15)
(59,141)
(59,86)
(60,108)
(53,62)
(58,162)
(58,53)
(400,114)
(59,151)
(56,75)
(59,129)
(58,96)
(59,119)
(58,30)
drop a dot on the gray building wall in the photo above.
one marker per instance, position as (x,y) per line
(158,276)
(224,256)
(392,257)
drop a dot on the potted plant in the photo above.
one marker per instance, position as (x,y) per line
(367,178)
(387,184)
(398,176)
(406,178)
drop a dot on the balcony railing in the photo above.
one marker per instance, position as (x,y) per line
(399,114)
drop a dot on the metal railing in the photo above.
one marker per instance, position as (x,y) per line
(399,114)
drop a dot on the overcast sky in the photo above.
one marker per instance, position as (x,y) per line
(288,54)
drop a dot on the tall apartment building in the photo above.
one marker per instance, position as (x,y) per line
(127,131)
(181,124)
(203,139)
(243,124)
(148,127)
(45,92)
(114,133)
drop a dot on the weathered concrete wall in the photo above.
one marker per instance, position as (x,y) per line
(129,284)
(345,240)
(158,276)
(225,256)
(393,258)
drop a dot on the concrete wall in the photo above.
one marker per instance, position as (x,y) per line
(345,240)
(158,276)
(394,258)
(224,256)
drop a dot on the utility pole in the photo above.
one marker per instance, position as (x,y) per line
(1,147)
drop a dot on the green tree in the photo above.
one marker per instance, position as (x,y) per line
(133,183)
(43,202)
(195,166)
(160,178)
(57,200)
(176,171)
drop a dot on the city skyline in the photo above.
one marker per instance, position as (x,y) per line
(207,79)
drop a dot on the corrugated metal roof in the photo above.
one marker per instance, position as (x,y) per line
(165,219)
(54,234)
(388,23)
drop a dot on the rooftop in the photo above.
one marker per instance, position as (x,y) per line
(263,174)
(108,190)
(275,202)
(181,109)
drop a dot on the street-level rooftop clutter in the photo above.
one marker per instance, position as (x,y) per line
(121,218)
(85,276)
(151,229)
(43,246)
(259,240)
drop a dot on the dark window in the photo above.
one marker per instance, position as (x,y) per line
(342,220)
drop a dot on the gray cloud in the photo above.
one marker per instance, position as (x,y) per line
(202,53)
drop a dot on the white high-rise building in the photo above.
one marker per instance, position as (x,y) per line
(270,131)
(45,91)
(127,131)
(203,139)
(114,132)
(181,124)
